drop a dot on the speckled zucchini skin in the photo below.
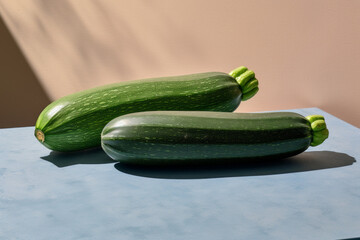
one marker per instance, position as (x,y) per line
(165,137)
(75,122)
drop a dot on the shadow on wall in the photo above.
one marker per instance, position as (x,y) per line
(21,96)
(101,46)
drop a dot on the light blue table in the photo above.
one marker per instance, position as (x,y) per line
(47,195)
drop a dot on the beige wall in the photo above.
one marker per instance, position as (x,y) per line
(305,53)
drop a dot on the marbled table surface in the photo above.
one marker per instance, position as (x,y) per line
(47,195)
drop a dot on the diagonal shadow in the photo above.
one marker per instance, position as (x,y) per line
(307,161)
(22,97)
(91,156)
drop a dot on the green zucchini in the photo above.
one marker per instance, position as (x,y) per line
(75,122)
(166,137)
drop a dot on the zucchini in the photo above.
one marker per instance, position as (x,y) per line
(167,137)
(74,122)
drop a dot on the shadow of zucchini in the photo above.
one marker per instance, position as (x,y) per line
(307,161)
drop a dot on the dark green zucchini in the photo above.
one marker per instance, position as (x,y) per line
(75,122)
(167,137)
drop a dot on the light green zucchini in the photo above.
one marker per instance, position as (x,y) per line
(75,122)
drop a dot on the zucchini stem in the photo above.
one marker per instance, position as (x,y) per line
(39,135)
(319,130)
(249,85)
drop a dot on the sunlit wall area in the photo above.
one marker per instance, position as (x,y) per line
(304,53)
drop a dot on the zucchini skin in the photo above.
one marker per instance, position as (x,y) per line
(75,122)
(172,137)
